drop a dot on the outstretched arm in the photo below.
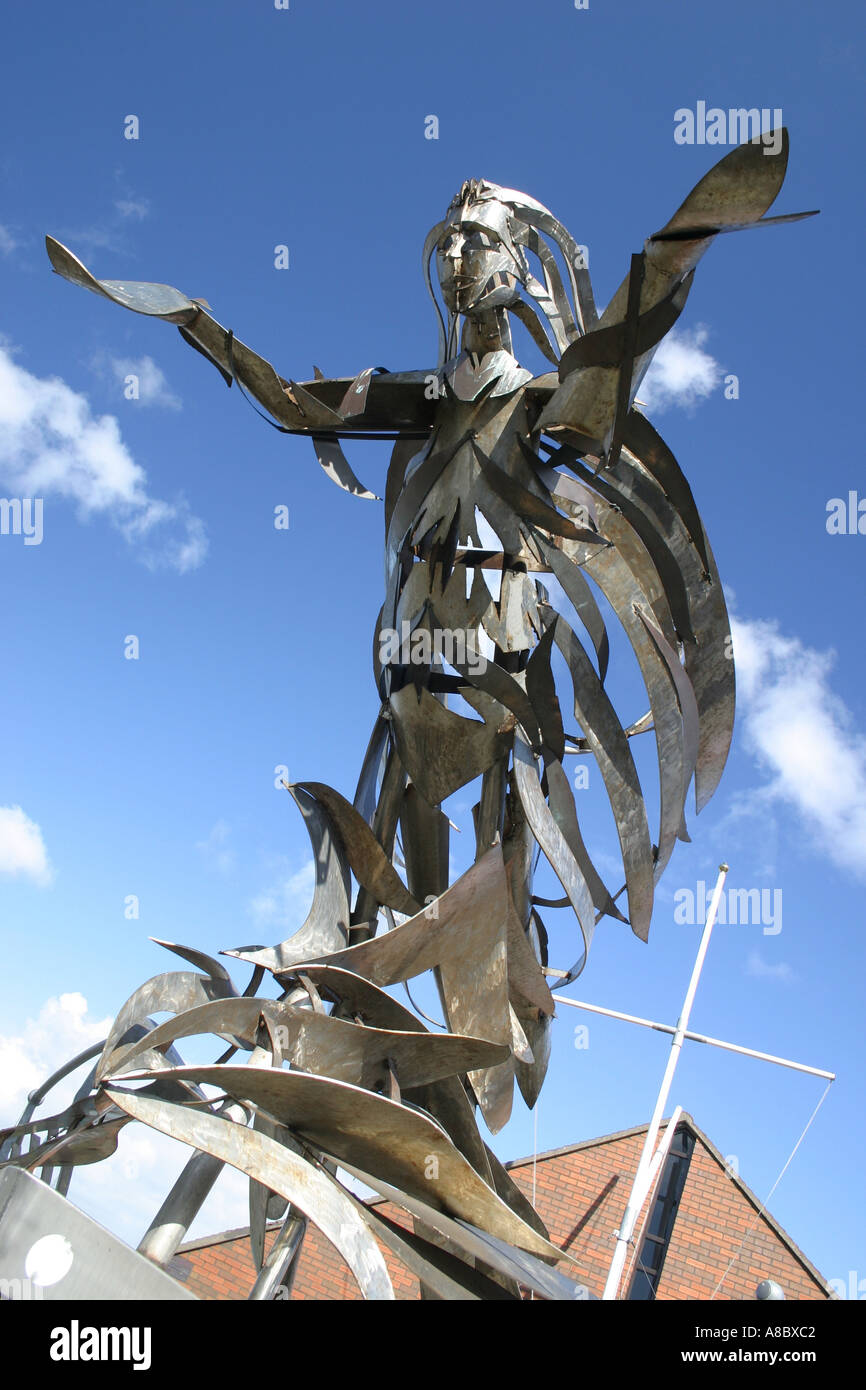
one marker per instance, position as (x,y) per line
(600,373)
(373,402)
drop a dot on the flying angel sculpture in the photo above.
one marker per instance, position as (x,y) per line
(496,474)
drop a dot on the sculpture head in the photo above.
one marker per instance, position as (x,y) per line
(476,260)
(481,249)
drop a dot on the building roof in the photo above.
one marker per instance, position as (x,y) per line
(689,1121)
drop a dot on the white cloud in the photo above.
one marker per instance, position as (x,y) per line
(151,386)
(135,209)
(287,902)
(804,738)
(125,1191)
(94,238)
(761,970)
(22,848)
(52,444)
(215,848)
(681,373)
(60,1031)
(7,241)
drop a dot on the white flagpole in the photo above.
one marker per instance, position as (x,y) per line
(640,1186)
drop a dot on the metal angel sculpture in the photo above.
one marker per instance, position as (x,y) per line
(575,484)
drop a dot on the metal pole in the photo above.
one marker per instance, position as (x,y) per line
(186,1198)
(277,1271)
(695,1037)
(639,1187)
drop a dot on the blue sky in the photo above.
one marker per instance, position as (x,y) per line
(155,777)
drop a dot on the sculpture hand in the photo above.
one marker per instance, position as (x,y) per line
(313,408)
(600,375)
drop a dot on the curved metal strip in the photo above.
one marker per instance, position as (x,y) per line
(440,929)
(429,245)
(541,689)
(530,1075)
(366,857)
(707,659)
(739,188)
(463,934)
(83,1146)
(200,959)
(446,1100)
(503,1183)
(426,834)
(625,574)
(551,839)
(36,1097)
(157,301)
(582,599)
(493,680)
(712,672)
(80,1109)
(360,1055)
(656,543)
(365,914)
(334,463)
(623,541)
(534,327)
(405,450)
(170,993)
(476,1242)
(358,998)
(325,1045)
(532,1003)
(613,345)
(312,1190)
(415,490)
(326,927)
(494,1091)
(355,400)
(445,1275)
(554,301)
(526,505)
(561,802)
(232,1018)
(647,445)
(686,698)
(606,739)
(413,595)
(356,1127)
(527,985)
(439,749)
(511,624)
(538,216)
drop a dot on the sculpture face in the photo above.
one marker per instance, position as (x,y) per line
(476,270)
